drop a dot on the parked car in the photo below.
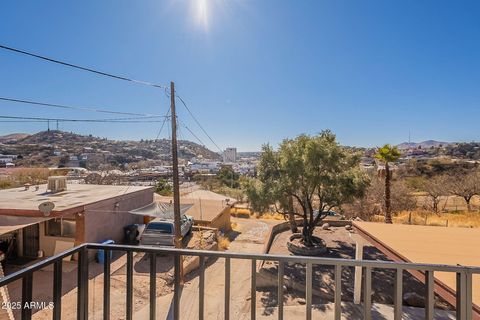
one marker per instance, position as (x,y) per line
(328,214)
(160,232)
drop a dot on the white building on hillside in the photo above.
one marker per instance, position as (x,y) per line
(230,155)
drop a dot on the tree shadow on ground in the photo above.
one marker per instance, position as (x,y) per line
(323,277)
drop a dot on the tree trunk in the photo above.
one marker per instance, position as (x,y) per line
(435,204)
(307,234)
(306,230)
(467,200)
(388,213)
(291,216)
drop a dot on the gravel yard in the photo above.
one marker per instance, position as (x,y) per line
(340,245)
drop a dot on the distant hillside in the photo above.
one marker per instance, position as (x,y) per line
(56,137)
(424,144)
(51,148)
(13,137)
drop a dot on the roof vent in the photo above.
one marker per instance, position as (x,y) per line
(57,184)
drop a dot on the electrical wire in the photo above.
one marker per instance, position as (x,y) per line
(198,123)
(44,104)
(192,133)
(163,124)
(117,120)
(80,67)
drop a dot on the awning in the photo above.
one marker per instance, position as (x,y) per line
(160,210)
(12,223)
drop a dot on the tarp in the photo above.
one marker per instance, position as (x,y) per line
(160,210)
(12,223)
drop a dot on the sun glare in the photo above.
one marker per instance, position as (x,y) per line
(201,9)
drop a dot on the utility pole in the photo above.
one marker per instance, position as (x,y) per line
(176,184)
(178,260)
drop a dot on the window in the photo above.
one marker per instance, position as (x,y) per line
(160,227)
(60,227)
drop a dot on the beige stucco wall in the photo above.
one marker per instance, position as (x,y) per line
(106,219)
(222,221)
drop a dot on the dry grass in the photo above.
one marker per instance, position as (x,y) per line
(451,203)
(247,213)
(461,220)
(272,216)
(241,212)
(223,242)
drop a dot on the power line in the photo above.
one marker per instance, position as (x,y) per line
(118,120)
(198,123)
(193,134)
(163,124)
(80,67)
(43,104)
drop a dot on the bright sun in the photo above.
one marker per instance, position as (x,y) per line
(201,9)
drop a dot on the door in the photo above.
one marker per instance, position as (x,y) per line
(31,244)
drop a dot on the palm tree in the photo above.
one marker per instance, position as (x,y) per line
(387,154)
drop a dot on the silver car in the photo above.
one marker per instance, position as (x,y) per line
(159,232)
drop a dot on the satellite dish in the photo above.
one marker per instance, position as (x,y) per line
(46,207)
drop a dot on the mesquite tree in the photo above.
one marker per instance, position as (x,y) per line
(465,185)
(313,173)
(436,188)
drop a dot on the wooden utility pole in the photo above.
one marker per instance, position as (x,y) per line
(176,184)
(176,204)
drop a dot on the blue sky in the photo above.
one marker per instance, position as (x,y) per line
(253,71)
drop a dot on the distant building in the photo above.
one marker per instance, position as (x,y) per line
(6,158)
(230,155)
(204,167)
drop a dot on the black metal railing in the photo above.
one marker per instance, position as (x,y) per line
(464,306)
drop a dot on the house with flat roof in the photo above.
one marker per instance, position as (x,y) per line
(36,222)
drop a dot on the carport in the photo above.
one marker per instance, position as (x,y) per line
(22,232)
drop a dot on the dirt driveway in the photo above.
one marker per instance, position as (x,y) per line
(249,236)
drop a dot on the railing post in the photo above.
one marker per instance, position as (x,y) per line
(461,295)
(430,296)
(280,290)
(82,278)
(464,295)
(201,289)
(367,293)
(27,282)
(227,288)
(338,292)
(253,291)
(57,290)
(308,291)
(106,285)
(398,296)
(129,302)
(153,286)
(468,295)
(177,286)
